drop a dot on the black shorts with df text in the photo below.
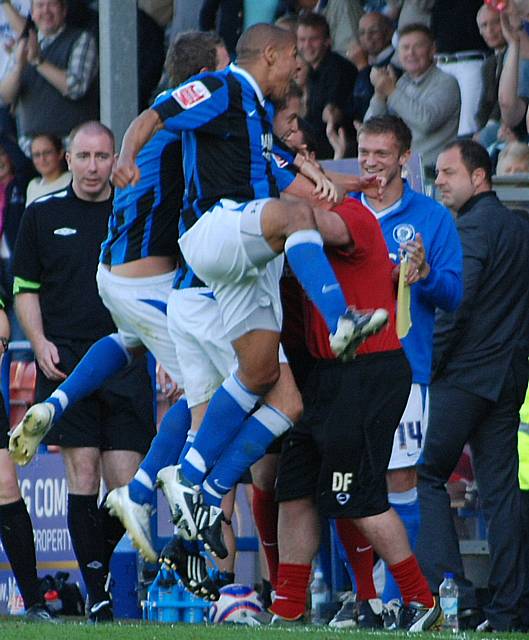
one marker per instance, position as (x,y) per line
(340,449)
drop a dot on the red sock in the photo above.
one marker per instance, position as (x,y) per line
(360,554)
(265,515)
(411,581)
(291,592)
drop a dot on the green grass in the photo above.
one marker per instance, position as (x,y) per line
(19,630)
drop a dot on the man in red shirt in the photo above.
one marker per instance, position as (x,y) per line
(334,460)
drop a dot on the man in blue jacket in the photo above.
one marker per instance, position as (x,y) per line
(421,231)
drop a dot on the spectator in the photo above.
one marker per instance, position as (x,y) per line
(488,115)
(14,175)
(415,12)
(47,154)
(12,19)
(514,158)
(512,94)
(331,77)
(342,17)
(426,98)
(373,49)
(461,52)
(58,305)
(230,20)
(478,385)
(52,82)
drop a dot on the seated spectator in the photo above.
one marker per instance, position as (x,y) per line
(373,49)
(513,159)
(47,154)
(426,98)
(488,114)
(52,81)
(12,19)
(341,15)
(331,77)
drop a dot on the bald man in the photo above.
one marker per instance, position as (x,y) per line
(234,173)
(58,305)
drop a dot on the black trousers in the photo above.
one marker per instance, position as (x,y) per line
(456,417)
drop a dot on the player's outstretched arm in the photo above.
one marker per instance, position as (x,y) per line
(140,131)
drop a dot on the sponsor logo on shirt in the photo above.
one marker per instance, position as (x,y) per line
(267,144)
(65,231)
(191,94)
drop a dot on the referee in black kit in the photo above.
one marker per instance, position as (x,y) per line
(58,305)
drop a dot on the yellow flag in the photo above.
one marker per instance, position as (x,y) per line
(403,302)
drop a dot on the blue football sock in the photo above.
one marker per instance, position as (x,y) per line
(190,439)
(407,506)
(249,445)
(104,358)
(307,259)
(230,405)
(164,451)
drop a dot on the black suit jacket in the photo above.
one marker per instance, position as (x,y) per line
(475,346)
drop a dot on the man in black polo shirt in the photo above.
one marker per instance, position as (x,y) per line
(58,305)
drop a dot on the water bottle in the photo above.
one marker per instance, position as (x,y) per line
(319,596)
(448,599)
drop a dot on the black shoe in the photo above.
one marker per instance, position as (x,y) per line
(101,613)
(391,614)
(418,617)
(370,614)
(209,521)
(470,619)
(191,567)
(41,613)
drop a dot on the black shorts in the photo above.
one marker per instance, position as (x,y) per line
(4,425)
(340,449)
(118,416)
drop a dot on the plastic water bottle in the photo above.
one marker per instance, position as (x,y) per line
(319,596)
(448,593)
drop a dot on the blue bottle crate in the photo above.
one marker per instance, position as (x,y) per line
(169,601)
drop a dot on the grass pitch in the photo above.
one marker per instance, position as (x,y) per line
(16,629)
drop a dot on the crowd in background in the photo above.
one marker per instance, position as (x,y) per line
(448,69)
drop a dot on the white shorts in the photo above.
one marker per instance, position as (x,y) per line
(247,290)
(138,307)
(411,433)
(205,353)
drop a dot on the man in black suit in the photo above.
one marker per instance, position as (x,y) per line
(480,376)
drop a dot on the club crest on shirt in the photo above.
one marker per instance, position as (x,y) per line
(191,94)
(403,233)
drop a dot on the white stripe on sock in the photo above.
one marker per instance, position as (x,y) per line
(274,420)
(245,398)
(143,478)
(61,397)
(196,460)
